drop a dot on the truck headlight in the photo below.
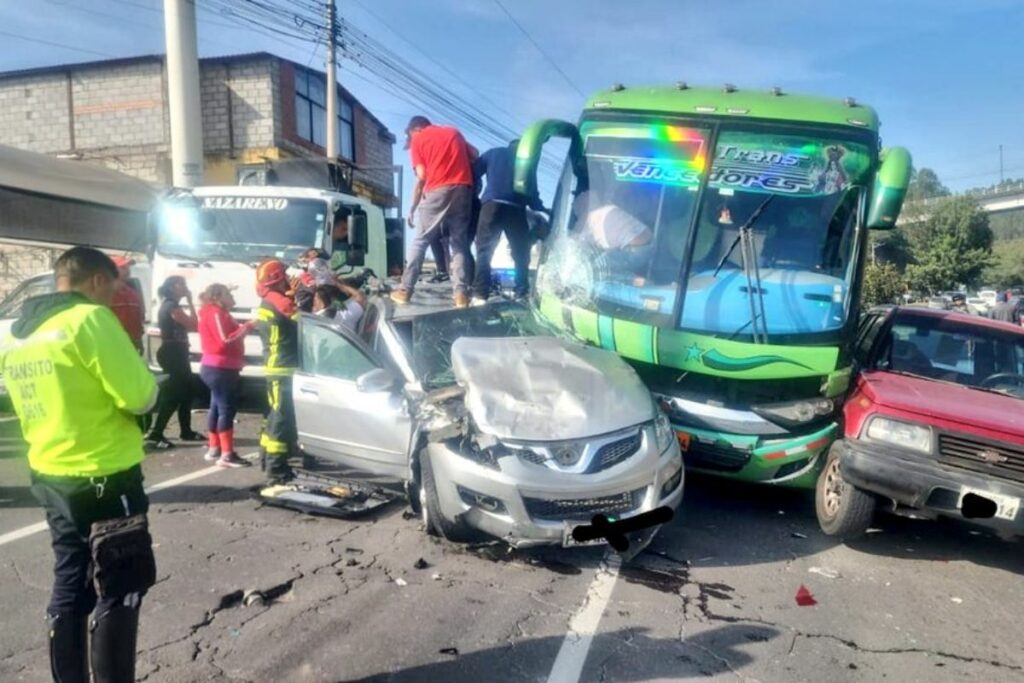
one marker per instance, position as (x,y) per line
(664,435)
(903,434)
(796,412)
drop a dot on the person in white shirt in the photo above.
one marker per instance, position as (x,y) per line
(608,226)
(342,303)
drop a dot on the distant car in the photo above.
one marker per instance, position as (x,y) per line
(933,423)
(493,424)
(989,295)
(940,303)
(978,306)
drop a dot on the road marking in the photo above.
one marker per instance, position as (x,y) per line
(572,656)
(18,534)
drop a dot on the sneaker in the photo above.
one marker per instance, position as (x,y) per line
(233,461)
(478,301)
(193,436)
(461,300)
(159,443)
(400,296)
(439,277)
(211,454)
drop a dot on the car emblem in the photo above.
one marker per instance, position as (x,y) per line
(993,457)
(566,454)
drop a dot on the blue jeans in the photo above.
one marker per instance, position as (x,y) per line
(223,385)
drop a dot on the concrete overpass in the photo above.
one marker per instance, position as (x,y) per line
(1002,200)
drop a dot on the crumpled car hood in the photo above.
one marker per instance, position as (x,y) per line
(547,389)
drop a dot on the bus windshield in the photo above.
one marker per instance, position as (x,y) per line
(622,241)
(240,228)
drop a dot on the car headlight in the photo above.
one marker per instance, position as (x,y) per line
(664,435)
(796,412)
(904,434)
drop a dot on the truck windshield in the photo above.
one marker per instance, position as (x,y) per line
(240,228)
(621,236)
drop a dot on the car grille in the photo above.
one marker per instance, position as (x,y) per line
(583,509)
(531,456)
(987,457)
(720,457)
(613,453)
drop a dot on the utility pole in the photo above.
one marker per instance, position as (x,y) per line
(332,84)
(1001,180)
(183,92)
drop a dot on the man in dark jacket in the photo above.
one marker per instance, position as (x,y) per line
(502,210)
(1005,310)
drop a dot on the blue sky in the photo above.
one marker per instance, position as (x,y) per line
(945,75)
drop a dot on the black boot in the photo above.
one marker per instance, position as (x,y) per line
(278,470)
(68,660)
(113,645)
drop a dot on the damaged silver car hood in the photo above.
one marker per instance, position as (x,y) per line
(547,389)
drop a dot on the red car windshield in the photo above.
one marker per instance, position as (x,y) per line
(976,356)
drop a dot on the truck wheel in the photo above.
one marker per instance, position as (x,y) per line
(434,521)
(843,510)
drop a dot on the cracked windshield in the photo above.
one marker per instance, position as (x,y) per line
(462,340)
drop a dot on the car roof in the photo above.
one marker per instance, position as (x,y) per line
(429,298)
(965,318)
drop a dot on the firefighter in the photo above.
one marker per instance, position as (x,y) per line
(277,322)
(76,381)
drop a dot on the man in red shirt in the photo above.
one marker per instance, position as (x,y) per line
(443,193)
(127,303)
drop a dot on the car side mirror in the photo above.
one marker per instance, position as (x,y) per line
(376,381)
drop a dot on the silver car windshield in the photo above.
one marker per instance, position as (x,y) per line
(434,334)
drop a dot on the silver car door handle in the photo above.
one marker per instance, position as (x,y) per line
(309,390)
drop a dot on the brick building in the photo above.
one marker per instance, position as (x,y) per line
(255,107)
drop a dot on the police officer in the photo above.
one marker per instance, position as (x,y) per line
(76,383)
(277,321)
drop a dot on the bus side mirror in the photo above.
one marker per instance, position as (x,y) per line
(890,189)
(531,144)
(357,239)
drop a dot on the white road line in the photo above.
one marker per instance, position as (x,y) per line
(18,534)
(583,625)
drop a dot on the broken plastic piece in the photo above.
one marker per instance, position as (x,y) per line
(827,572)
(804,597)
(435,577)
(797,534)
(421,564)
(401,582)
(453,651)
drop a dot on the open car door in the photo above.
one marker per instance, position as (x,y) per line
(348,402)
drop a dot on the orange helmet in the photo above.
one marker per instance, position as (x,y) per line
(270,272)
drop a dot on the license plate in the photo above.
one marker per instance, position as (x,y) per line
(569,542)
(1006,506)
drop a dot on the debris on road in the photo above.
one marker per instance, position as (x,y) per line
(421,564)
(436,577)
(827,572)
(252,598)
(315,494)
(804,597)
(401,582)
(797,534)
(958,601)
(453,651)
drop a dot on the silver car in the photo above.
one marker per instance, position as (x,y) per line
(493,424)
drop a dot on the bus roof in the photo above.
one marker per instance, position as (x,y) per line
(735,102)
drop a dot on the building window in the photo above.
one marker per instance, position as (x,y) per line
(311,114)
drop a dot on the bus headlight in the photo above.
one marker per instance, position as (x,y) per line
(793,413)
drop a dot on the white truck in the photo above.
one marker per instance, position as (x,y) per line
(219,234)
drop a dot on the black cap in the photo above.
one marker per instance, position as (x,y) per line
(415,123)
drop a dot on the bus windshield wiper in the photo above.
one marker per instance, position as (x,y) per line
(747,225)
(751,270)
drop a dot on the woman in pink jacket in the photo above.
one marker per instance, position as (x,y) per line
(223,357)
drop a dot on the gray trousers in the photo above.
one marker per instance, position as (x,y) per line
(446,211)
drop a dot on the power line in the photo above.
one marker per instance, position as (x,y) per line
(52,44)
(539,49)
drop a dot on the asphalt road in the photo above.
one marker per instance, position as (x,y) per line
(713,598)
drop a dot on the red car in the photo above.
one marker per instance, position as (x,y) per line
(934,423)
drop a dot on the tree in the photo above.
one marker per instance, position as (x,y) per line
(892,246)
(1007,268)
(925,184)
(883,284)
(952,246)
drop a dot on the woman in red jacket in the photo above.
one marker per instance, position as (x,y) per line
(221,337)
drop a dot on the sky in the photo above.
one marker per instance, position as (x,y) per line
(945,75)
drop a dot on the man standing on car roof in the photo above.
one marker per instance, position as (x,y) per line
(75,383)
(443,162)
(277,321)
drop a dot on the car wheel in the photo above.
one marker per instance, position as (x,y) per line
(434,521)
(843,510)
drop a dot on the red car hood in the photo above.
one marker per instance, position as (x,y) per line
(957,406)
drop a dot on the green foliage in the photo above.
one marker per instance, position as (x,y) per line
(883,284)
(1007,268)
(891,247)
(951,247)
(925,184)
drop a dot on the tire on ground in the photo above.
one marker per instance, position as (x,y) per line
(855,509)
(456,531)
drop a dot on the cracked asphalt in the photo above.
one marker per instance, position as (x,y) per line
(713,597)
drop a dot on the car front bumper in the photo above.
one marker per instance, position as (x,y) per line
(531,494)
(919,481)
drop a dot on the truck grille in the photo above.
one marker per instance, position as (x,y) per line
(583,509)
(987,457)
(720,457)
(613,453)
